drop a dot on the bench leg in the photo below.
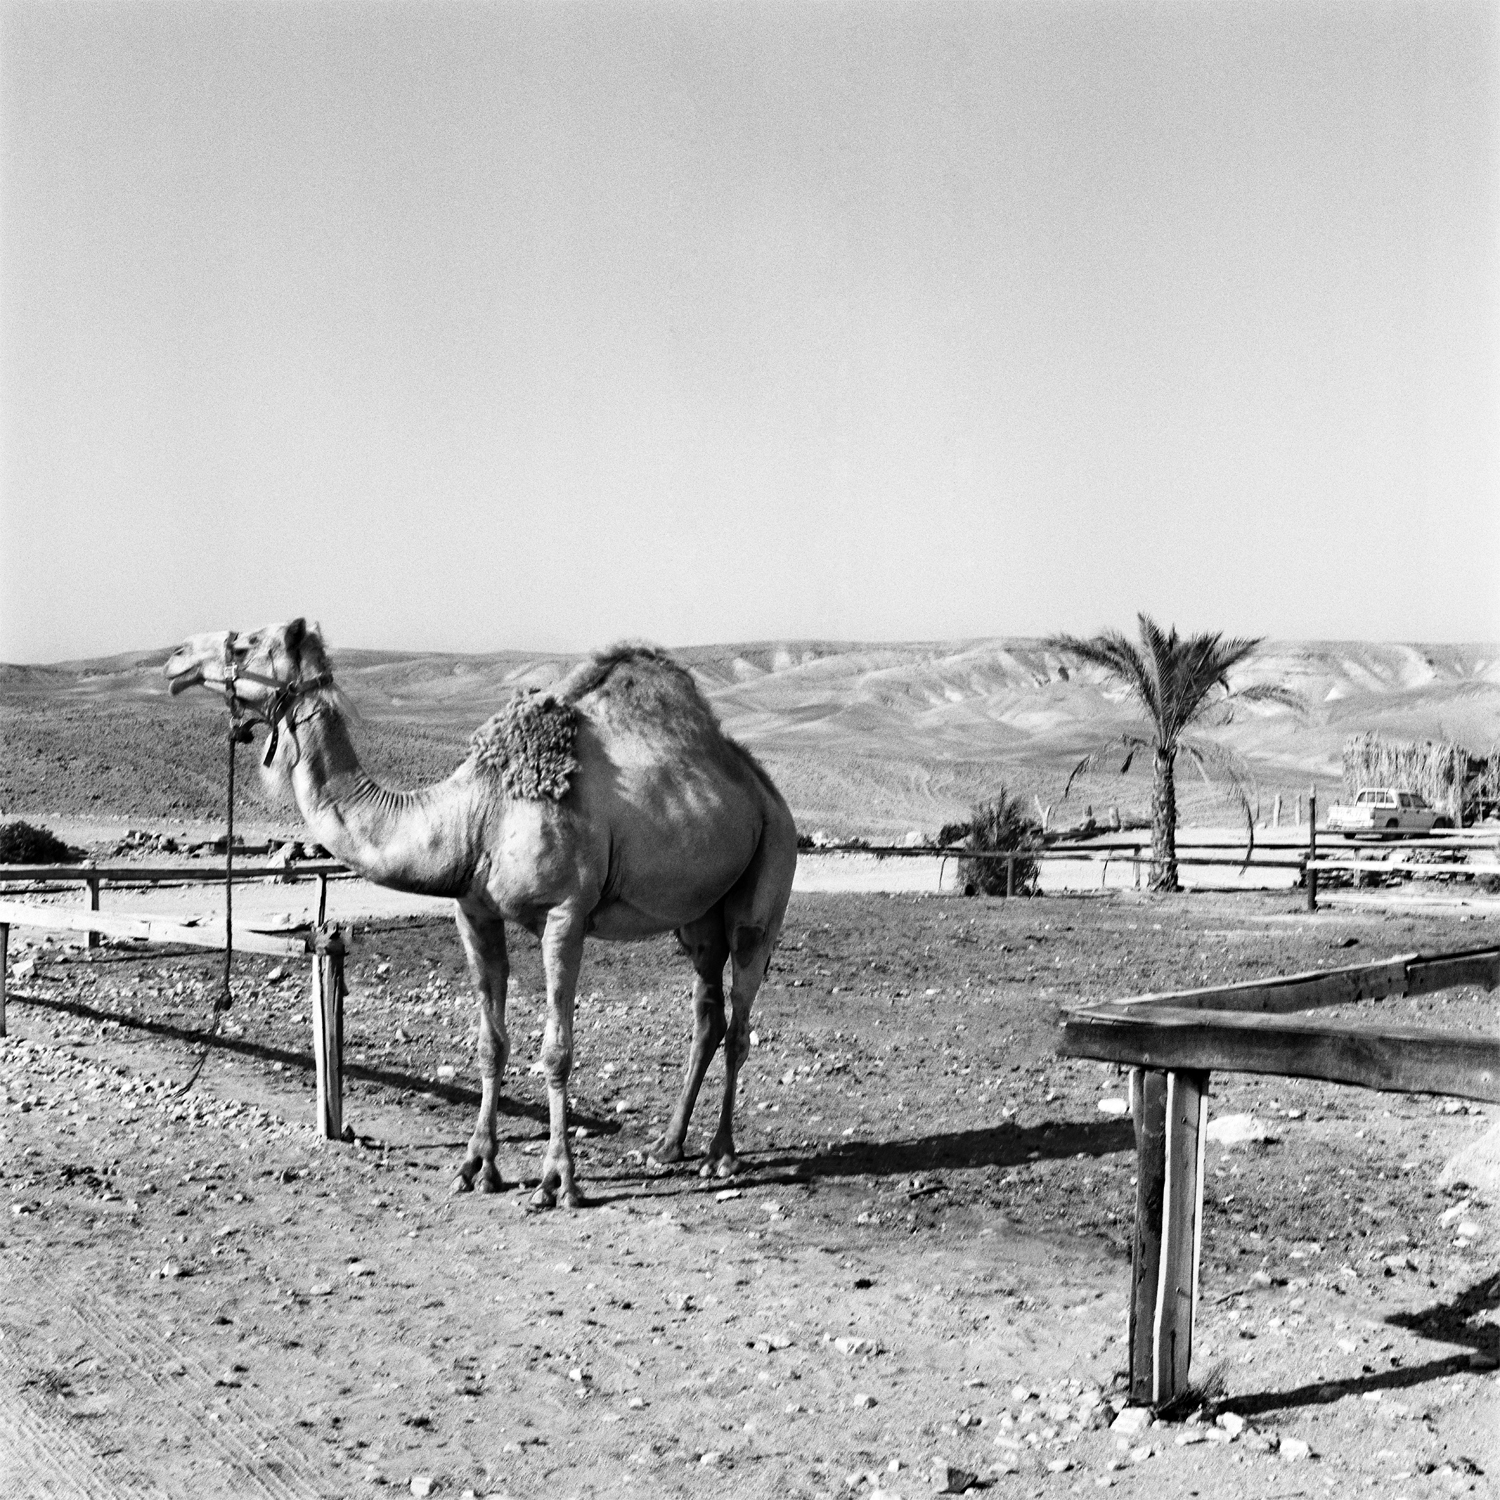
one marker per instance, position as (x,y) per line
(1170,1112)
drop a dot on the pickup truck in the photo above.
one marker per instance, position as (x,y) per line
(1381,810)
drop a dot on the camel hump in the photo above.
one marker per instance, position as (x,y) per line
(529,746)
(639,689)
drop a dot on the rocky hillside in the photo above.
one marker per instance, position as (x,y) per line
(864,738)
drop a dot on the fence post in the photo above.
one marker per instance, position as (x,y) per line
(1276,814)
(4,969)
(1310,875)
(328,1030)
(1135,855)
(93,884)
(1010,875)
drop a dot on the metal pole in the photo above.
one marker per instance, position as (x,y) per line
(1312,849)
(229,868)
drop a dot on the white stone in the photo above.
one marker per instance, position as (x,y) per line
(1294,1449)
(1132,1419)
(1477,1165)
(1236,1130)
(1113,1106)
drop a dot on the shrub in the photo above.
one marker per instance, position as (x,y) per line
(21,844)
(1000,826)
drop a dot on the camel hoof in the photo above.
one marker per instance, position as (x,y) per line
(490,1183)
(572,1198)
(544,1197)
(461,1184)
(729,1166)
(664,1154)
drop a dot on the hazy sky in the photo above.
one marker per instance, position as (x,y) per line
(471,326)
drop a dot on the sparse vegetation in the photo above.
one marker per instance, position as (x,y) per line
(998,826)
(23,844)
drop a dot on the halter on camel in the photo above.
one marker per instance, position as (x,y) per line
(276,710)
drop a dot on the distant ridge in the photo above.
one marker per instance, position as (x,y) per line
(864,737)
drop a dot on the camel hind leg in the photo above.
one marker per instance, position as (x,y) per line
(708,947)
(753,914)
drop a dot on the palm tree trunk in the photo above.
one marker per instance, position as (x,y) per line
(1163,822)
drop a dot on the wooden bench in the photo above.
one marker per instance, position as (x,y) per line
(1174,1042)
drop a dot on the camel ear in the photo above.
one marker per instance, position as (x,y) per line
(296,631)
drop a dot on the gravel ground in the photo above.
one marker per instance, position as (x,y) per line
(920,1279)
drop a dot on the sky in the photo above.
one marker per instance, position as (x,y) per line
(470,326)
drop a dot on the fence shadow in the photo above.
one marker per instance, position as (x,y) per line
(412,1083)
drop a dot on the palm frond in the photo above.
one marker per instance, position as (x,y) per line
(1118,656)
(1130,743)
(1215,763)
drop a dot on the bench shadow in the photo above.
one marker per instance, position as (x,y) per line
(1445,1322)
(193,1036)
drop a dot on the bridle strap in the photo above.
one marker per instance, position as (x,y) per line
(280,704)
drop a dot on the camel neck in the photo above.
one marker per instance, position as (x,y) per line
(420,841)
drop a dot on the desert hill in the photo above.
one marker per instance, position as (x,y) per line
(870,738)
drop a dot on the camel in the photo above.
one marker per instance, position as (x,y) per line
(613,807)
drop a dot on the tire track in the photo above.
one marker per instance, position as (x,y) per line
(39,1456)
(182,1404)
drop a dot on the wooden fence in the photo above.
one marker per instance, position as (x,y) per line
(324,943)
(1174,1042)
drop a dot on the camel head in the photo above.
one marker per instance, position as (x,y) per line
(262,673)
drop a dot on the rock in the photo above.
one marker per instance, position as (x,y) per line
(1059,1465)
(863,1401)
(446,1073)
(1232,1422)
(1237,1130)
(710,1458)
(1192,1435)
(1477,1165)
(1132,1420)
(726,1194)
(1114,1106)
(1294,1449)
(1468,1229)
(949,1479)
(421,1484)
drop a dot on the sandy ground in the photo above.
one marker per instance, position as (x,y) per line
(924,1265)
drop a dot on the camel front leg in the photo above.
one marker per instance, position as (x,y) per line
(562,953)
(483,936)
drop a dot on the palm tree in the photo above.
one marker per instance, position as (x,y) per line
(1174,678)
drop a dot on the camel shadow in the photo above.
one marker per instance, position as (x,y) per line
(959,1150)
(218,1043)
(1445,1322)
(1005,1145)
